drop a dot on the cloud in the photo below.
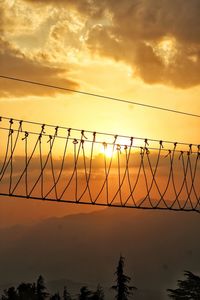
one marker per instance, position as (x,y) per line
(86,7)
(27,62)
(160,40)
(15,64)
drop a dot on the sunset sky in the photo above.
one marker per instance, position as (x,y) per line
(146,51)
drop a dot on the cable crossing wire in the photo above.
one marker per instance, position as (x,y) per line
(99,96)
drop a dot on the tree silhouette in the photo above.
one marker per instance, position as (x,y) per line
(10,294)
(41,289)
(26,291)
(85,294)
(66,294)
(187,289)
(123,290)
(98,294)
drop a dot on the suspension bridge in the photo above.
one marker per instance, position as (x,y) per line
(52,163)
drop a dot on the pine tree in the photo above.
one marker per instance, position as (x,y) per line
(66,294)
(123,290)
(187,289)
(41,289)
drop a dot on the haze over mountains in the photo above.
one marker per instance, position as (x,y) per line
(85,248)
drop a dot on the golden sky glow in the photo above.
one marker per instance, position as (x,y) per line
(80,45)
(145,51)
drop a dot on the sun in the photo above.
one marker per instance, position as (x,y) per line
(107,150)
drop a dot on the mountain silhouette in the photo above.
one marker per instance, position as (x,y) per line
(157,247)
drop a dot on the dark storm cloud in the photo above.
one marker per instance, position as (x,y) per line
(132,30)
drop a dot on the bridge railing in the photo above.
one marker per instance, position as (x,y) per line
(48,162)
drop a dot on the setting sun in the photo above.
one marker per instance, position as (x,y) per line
(107,150)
